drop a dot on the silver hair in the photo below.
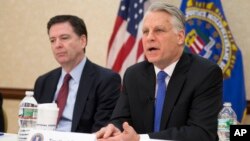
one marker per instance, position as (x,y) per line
(177,16)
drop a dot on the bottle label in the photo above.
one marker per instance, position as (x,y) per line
(224,124)
(28,111)
(27,115)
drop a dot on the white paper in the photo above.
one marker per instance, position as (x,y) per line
(47,135)
(8,137)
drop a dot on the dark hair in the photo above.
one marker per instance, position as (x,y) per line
(77,23)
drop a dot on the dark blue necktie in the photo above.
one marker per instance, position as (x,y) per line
(161,76)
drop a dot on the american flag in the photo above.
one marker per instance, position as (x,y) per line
(125,45)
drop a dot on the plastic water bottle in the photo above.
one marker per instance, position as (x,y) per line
(226,118)
(27,115)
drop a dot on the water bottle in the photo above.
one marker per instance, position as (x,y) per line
(226,118)
(27,115)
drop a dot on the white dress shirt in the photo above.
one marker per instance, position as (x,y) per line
(65,122)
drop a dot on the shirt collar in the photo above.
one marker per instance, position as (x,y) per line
(77,71)
(169,69)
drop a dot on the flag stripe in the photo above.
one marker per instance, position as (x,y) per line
(139,51)
(125,45)
(123,53)
(118,24)
(199,43)
(195,48)
(116,45)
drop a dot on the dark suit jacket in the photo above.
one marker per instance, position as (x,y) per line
(97,94)
(192,103)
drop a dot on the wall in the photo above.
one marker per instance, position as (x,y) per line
(25,48)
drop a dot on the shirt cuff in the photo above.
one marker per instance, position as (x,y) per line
(144,137)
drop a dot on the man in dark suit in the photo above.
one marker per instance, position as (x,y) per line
(92,90)
(193,94)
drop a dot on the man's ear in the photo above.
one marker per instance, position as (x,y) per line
(181,37)
(83,40)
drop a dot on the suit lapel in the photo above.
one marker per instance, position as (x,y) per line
(86,82)
(147,94)
(174,88)
(50,88)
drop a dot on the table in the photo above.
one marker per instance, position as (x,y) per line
(8,137)
(13,137)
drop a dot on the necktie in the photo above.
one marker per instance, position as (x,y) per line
(63,95)
(161,76)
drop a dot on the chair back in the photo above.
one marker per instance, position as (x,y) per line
(3,116)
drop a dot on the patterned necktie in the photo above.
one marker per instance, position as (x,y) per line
(63,95)
(161,92)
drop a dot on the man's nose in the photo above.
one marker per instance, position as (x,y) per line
(150,36)
(57,43)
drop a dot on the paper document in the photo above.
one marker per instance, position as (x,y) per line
(48,135)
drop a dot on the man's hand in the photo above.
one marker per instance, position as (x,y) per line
(128,134)
(107,131)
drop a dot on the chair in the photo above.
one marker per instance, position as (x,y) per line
(5,121)
(3,116)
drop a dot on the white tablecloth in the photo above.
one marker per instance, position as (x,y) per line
(8,137)
(13,137)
